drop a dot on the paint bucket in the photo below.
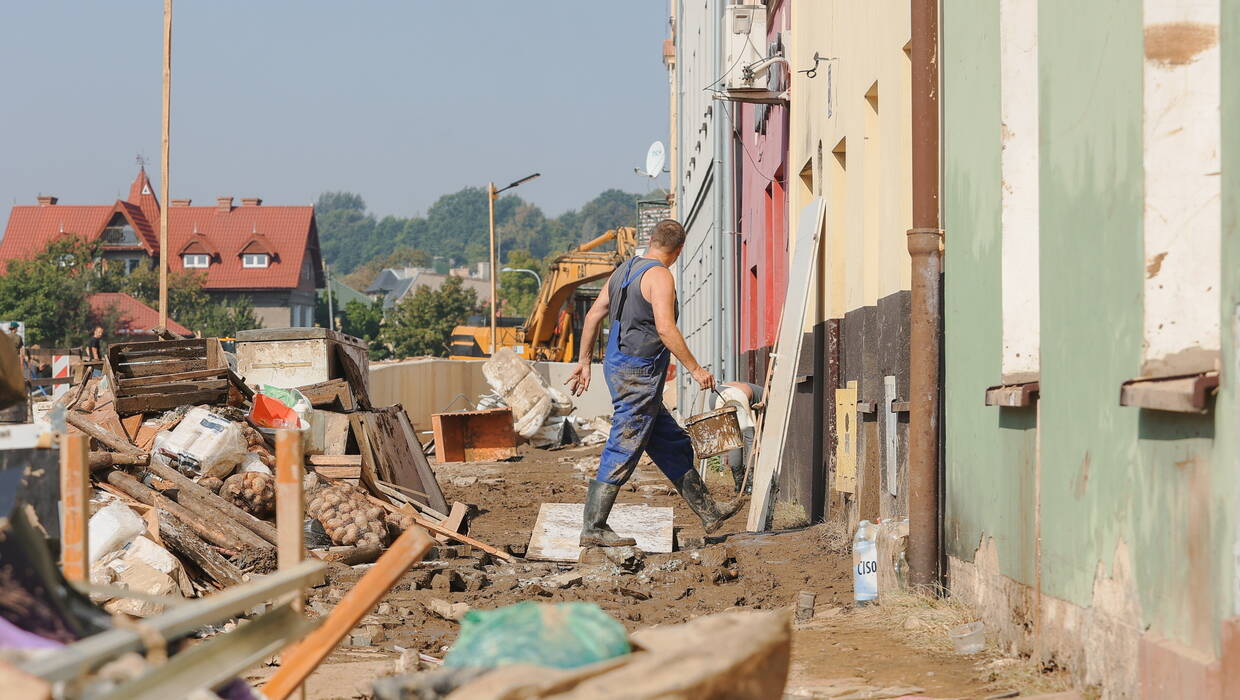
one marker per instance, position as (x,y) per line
(714,432)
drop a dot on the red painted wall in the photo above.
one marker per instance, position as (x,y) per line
(761,149)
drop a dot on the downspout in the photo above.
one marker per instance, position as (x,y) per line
(723,227)
(925,246)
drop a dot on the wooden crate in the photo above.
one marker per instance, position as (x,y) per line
(164,374)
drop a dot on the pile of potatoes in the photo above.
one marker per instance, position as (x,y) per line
(253,492)
(347,517)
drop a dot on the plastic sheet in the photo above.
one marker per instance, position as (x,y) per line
(563,635)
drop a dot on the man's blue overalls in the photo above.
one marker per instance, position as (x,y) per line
(639,420)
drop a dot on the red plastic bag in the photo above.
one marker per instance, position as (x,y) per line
(272,413)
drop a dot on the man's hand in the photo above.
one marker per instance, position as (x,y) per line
(705,379)
(579,380)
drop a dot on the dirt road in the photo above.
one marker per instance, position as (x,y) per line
(842,652)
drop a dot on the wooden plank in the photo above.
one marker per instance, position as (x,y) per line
(75,506)
(81,656)
(290,513)
(435,527)
(220,385)
(353,374)
(157,402)
(148,369)
(786,355)
(104,436)
(262,528)
(430,485)
(178,537)
(339,472)
(335,433)
(333,394)
(132,424)
(455,520)
(332,460)
(846,440)
(215,660)
(370,470)
(298,662)
(171,378)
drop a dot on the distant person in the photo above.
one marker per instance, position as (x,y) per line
(17,340)
(94,349)
(39,368)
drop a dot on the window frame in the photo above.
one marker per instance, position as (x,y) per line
(245,263)
(197,257)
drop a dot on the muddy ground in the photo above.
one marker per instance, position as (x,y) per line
(843,652)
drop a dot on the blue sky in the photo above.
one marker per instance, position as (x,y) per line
(399,101)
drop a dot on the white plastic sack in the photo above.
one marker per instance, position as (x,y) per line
(203,443)
(111,528)
(251,463)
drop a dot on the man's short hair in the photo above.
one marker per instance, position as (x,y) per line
(668,235)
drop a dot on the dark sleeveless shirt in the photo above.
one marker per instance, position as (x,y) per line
(632,316)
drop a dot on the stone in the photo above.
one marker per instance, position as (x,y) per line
(447,610)
(630,558)
(464,481)
(685,542)
(567,579)
(447,582)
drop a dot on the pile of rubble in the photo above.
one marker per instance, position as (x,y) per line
(183,456)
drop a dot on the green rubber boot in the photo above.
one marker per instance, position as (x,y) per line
(594,529)
(703,504)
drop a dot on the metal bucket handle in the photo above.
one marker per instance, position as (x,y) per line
(700,404)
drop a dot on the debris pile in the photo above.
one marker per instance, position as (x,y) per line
(541,413)
(183,455)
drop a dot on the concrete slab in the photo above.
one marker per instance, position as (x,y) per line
(558,526)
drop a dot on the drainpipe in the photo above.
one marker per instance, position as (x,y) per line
(925,246)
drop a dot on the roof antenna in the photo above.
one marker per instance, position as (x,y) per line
(141,161)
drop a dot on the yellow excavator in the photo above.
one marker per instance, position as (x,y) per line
(553,328)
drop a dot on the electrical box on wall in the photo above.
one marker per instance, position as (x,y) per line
(744,43)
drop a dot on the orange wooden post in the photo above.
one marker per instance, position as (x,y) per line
(290,512)
(297,662)
(75,506)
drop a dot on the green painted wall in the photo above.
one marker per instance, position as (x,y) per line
(1110,474)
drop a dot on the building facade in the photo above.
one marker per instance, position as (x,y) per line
(268,254)
(1092,304)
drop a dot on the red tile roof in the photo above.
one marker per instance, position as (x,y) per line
(136,318)
(288,232)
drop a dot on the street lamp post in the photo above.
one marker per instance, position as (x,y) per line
(524,269)
(492,195)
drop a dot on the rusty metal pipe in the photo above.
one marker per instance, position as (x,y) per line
(925,242)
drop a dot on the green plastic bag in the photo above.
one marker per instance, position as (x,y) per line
(563,635)
(288,397)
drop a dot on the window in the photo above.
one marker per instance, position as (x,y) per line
(131,264)
(200,260)
(296,322)
(119,232)
(254,260)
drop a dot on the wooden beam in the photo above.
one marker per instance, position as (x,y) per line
(353,473)
(334,460)
(456,518)
(103,460)
(172,378)
(290,515)
(261,528)
(75,505)
(105,437)
(178,537)
(298,662)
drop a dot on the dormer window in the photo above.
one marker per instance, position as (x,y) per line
(199,260)
(119,232)
(255,260)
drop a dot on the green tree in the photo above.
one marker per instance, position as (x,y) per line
(336,201)
(48,292)
(422,322)
(188,303)
(519,290)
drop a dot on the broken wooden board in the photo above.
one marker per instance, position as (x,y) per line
(335,433)
(331,395)
(558,527)
(160,375)
(388,439)
(787,353)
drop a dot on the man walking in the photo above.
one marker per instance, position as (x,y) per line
(640,298)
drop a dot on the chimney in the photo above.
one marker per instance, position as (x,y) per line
(47,200)
(251,201)
(223,205)
(181,202)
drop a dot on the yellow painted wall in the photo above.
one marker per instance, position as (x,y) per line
(850,143)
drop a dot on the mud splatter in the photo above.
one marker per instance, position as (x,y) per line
(1155,265)
(1082,478)
(1178,43)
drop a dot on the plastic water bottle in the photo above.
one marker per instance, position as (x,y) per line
(865,564)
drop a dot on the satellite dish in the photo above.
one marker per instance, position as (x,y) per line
(654,159)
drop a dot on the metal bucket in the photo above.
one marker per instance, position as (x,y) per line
(714,432)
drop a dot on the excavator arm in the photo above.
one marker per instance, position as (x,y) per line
(544,328)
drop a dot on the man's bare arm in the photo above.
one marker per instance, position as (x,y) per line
(579,380)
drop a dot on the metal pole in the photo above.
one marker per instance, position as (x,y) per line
(494,299)
(163,169)
(331,311)
(925,242)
